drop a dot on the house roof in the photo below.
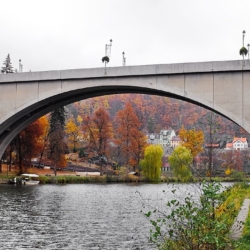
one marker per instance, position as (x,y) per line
(212,145)
(229,145)
(243,140)
(176,138)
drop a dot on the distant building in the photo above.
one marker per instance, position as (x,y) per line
(166,137)
(175,141)
(163,138)
(237,144)
(154,138)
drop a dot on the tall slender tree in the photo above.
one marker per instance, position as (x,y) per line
(128,135)
(57,116)
(57,145)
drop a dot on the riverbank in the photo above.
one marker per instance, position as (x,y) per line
(47,176)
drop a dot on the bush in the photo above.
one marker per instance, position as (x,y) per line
(191,225)
(238,176)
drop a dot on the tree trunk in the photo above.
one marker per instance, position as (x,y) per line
(1,166)
(10,161)
(55,168)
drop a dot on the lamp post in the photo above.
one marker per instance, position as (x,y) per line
(123,59)
(243,50)
(107,53)
(243,36)
(248,50)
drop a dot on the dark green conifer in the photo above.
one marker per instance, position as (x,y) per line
(7,68)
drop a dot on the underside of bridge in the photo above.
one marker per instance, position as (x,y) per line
(11,127)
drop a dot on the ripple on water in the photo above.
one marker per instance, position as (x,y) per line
(91,217)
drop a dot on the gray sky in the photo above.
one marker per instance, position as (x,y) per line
(68,34)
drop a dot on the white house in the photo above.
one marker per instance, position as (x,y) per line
(238,144)
(163,138)
(166,137)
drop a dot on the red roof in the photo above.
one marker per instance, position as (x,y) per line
(243,140)
(229,145)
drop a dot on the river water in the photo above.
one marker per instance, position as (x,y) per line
(83,216)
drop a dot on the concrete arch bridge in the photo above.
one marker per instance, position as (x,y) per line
(223,87)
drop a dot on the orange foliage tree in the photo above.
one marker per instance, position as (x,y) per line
(192,140)
(98,131)
(44,138)
(29,143)
(129,138)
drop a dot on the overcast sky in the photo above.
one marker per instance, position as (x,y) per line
(68,34)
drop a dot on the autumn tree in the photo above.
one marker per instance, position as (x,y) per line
(72,131)
(7,68)
(192,140)
(180,161)
(44,139)
(28,143)
(231,161)
(98,130)
(152,162)
(128,136)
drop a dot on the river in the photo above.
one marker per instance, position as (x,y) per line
(83,216)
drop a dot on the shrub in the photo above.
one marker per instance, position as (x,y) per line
(238,176)
(191,225)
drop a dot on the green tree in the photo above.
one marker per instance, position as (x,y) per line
(151,124)
(243,52)
(152,162)
(180,161)
(57,145)
(7,68)
(57,115)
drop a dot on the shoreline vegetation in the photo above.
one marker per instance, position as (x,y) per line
(125,178)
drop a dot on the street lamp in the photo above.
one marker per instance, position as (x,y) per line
(123,59)
(107,53)
(243,36)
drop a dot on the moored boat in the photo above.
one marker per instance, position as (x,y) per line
(25,179)
(30,179)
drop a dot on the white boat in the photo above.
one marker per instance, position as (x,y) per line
(30,179)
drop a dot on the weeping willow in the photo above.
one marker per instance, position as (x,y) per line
(152,162)
(180,161)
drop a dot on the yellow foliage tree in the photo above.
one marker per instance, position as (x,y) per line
(180,161)
(192,140)
(152,162)
(73,132)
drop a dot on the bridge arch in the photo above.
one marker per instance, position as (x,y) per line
(219,86)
